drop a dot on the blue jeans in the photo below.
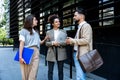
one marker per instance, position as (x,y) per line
(80,75)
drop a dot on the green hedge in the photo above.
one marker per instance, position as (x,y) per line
(6,41)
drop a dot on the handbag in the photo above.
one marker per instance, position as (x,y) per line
(91,60)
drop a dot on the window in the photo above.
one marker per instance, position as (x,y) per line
(41,29)
(68,3)
(67,22)
(68,19)
(47,27)
(21,13)
(101,1)
(106,14)
(77,1)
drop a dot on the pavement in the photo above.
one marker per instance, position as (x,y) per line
(10,69)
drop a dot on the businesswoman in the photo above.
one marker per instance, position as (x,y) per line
(56,47)
(29,37)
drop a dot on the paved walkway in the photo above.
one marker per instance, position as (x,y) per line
(10,69)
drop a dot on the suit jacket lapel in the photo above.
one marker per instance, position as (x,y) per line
(52,35)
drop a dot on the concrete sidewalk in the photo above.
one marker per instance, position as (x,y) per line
(10,69)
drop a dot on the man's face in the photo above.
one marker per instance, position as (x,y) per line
(77,17)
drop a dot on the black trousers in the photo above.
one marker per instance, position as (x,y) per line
(51,67)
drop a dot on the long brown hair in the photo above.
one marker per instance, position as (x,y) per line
(29,23)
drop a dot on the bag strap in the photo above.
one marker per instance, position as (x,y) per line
(79,38)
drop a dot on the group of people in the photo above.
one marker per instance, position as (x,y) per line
(56,40)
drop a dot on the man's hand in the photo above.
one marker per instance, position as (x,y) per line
(68,40)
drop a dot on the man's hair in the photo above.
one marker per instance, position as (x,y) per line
(80,11)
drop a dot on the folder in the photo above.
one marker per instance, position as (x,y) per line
(26,55)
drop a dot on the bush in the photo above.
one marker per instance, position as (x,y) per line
(6,41)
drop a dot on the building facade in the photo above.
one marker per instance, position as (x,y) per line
(1,10)
(103,15)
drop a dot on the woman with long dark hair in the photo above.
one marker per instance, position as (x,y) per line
(29,37)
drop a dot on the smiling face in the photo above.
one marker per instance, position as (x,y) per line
(56,23)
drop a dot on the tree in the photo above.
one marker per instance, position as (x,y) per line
(2,33)
(3,21)
(3,24)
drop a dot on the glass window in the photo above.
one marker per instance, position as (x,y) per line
(100,1)
(106,15)
(69,28)
(47,27)
(68,3)
(20,14)
(77,1)
(27,10)
(67,22)
(40,14)
(41,29)
(67,13)
(41,21)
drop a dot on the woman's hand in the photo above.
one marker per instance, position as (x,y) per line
(55,43)
(21,60)
(46,37)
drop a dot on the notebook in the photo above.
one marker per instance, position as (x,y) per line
(26,55)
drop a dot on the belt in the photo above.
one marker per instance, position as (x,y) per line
(34,46)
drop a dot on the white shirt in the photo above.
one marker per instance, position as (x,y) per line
(29,40)
(77,34)
(56,34)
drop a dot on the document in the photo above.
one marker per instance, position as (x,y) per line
(26,55)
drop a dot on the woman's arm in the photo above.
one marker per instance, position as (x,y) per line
(43,41)
(21,60)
